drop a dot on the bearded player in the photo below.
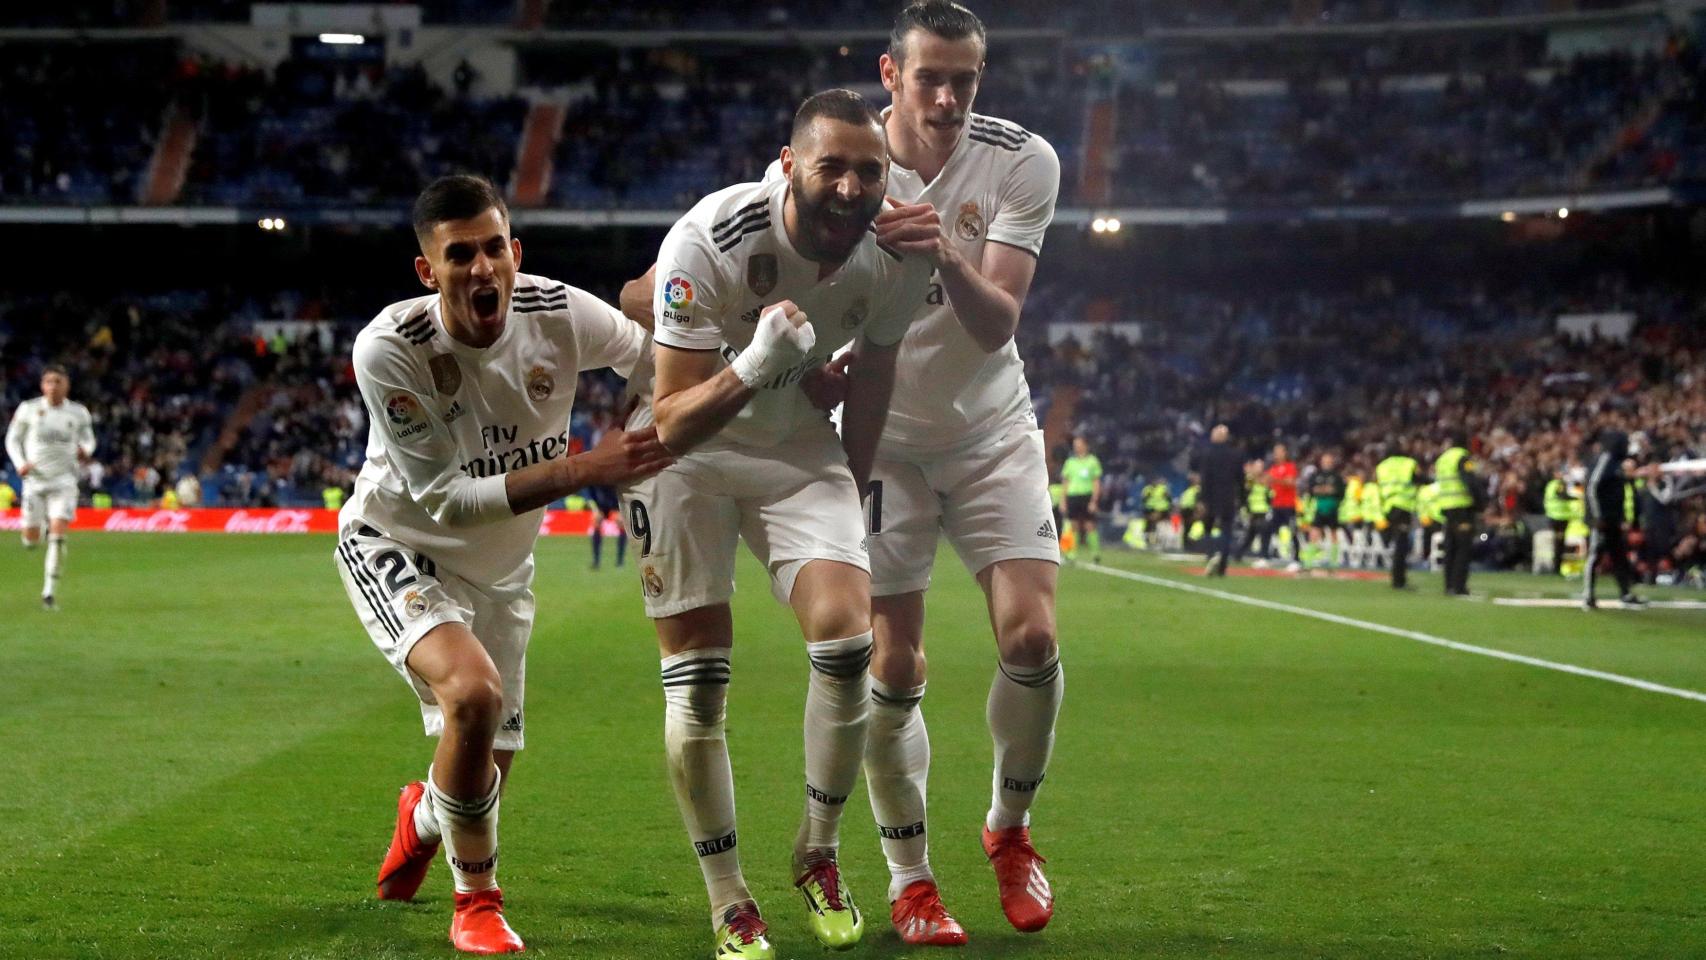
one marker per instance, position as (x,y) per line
(758,284)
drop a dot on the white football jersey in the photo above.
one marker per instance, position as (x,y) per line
(49,439)
(729,258)
(999,185)
(446,421)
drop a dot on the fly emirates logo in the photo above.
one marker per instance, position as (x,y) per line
(504,452)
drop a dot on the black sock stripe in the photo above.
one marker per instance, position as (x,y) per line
(689,664)
(696,674)
(379,611)
(1041,677)
(896,701)
(709,682)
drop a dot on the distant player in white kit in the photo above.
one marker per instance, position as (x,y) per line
(48,439)
(468,393)
(756,285)
(962,457)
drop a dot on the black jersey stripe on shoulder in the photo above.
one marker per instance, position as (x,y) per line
(756,216)
(561,289)
(733,240)
(538,307)
(1000,126)
(415,317)
(557,298)
(993,141)
(743,211)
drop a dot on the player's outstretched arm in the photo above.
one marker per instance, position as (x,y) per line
(692,400)
(620,457)
(870,384)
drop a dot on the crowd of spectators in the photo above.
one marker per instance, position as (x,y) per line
(79,120)
(1369,137)
(1260,13)
(1356,373)
(658,127)
(352,134)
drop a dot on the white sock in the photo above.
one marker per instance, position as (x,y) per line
(695,689)
(470,831)
(897,766)
(55,554)
(426,817)
(838,710)
(1023,704)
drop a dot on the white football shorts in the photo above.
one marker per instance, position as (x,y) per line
(43,503)
(792,502)
(400,595)
(991,502)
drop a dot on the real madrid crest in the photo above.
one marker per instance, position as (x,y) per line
(414,604)
(653,583)
(855,314)
(540,384)
(970,224)
(446,375)
(761,274)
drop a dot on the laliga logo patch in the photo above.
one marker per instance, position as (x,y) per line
(404,414)
(414,604)
(677,292)
(400,408)
(540,384)
(970,224)
(652,582)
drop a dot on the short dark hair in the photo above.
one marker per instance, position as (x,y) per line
(843,105)
(55,368)
(944,18)
(455,197)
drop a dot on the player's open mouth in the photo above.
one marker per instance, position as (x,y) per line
(486,305)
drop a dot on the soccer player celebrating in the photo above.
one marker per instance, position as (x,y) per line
(758,284)
(468,393)
(47,439)
(962,456)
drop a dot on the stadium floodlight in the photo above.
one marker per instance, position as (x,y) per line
(1509,216)
(347,38)
(1099,225)
(1113,224)
(1563,212)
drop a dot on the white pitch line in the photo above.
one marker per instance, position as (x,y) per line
(1427,638)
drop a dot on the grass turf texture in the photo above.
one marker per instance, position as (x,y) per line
(203,752)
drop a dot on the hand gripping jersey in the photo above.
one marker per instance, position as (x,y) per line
(730,258)
(446,421)
(49,438)
(999,185)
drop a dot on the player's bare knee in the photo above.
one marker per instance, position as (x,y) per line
(1028,643)
(472,701)
(898,666)
(834,618)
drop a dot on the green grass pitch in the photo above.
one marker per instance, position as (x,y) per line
(202,752)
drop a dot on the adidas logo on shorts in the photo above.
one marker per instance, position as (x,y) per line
(1046,530)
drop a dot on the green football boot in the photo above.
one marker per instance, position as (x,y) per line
(830,911)
(741,937)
